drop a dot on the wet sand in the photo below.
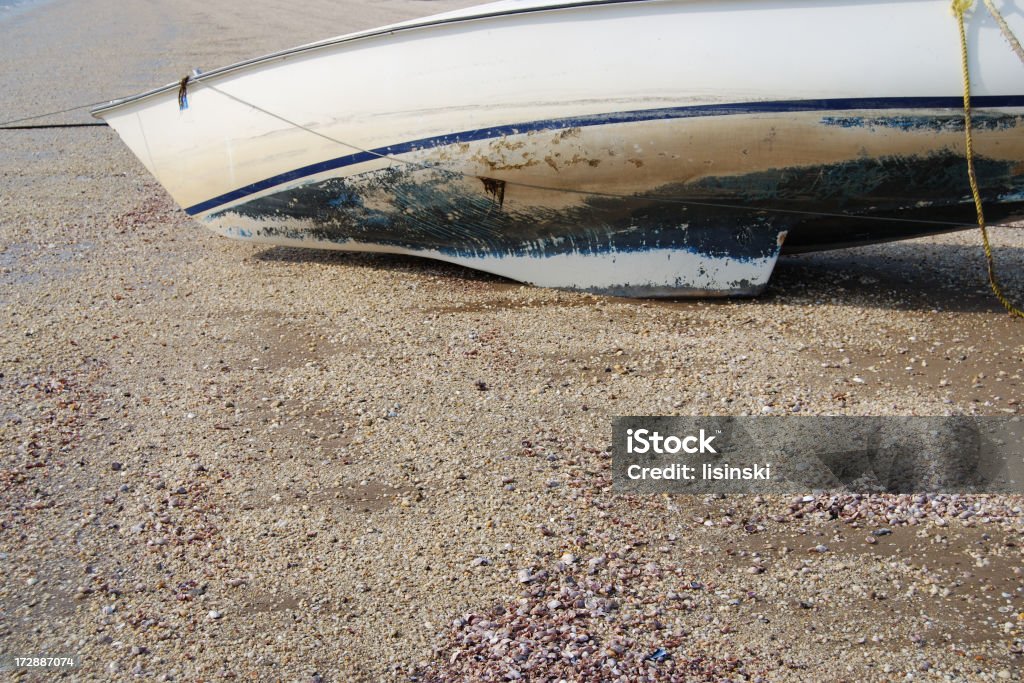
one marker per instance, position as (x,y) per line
(223,460)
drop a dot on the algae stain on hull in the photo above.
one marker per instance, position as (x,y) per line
(448,215)
(926,124)
(738,215)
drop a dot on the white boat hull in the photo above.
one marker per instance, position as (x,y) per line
(636,148)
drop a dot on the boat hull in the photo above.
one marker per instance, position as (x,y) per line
(635,192)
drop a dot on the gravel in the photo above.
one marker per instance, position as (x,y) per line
(381,468)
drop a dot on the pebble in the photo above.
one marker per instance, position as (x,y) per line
(526,576)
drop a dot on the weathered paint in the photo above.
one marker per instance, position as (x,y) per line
(452,215)
(636,247)
(433,209)
(724,231)
(932,122)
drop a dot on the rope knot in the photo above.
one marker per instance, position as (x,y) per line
(961,6)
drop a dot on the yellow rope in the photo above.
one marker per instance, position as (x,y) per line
(959,7)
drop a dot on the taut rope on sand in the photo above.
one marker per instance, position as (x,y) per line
(39,126)
(9,125)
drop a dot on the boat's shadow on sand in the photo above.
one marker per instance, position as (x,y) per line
(898,276)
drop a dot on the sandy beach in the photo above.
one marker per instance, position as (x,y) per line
(227,461)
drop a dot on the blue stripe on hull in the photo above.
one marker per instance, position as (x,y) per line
(794,106)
